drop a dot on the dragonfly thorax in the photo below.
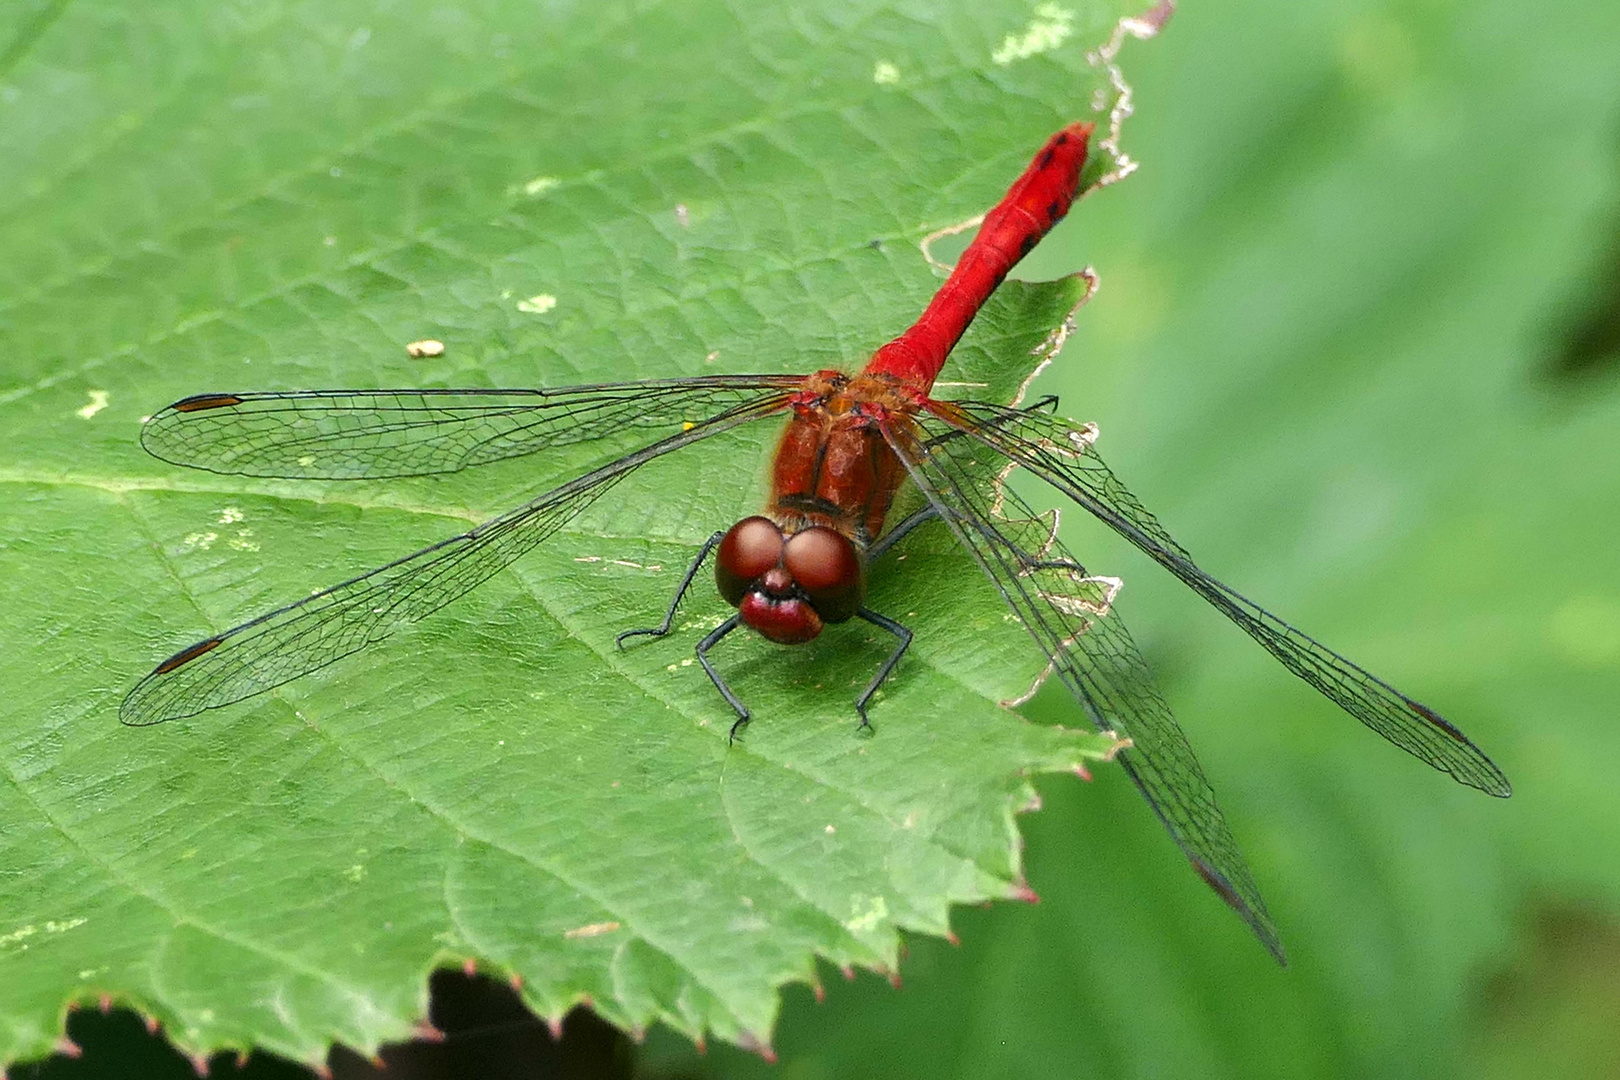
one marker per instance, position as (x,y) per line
(788,585)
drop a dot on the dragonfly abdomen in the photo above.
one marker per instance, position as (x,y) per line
(1036,202)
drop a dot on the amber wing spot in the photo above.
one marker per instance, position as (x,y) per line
(1437,720)
(1257,919)
(1215,881)
(199,402)
(187,655)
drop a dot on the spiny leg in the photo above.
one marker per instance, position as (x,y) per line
(686,583)
(888,665)
(883,543)
(703,648)
(928,513)
(1025,560)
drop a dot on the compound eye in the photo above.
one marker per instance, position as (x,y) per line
(753,546)
(824,564)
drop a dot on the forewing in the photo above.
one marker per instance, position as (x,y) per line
(368,434)
(1062,453)
(1070,614)
(304,636)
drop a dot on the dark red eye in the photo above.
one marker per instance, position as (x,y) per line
(824,564)
(753,546)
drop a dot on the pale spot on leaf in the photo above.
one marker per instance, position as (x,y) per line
(868,914)
(591,930)
(1050,28)
(97,402)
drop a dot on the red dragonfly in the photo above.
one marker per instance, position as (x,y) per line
(850,443)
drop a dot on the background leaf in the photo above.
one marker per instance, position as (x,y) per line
(213,196)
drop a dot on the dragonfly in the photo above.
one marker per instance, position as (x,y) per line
(850,443)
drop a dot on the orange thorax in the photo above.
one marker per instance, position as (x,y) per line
(833,466)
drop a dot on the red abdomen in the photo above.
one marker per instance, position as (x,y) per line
(1036,202)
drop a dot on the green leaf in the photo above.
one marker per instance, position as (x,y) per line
(218,197)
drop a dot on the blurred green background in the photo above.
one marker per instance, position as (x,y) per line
(1356,345)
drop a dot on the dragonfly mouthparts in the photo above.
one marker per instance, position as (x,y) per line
(788,620)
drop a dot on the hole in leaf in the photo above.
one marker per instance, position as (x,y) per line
(488,1032)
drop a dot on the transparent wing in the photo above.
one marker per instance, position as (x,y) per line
(368,434)
(1070,614)
(302,637)
(1061,452)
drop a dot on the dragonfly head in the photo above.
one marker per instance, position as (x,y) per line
(788,586)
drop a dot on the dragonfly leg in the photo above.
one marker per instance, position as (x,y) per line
(930,512)
(894,535)
(1026,561)
(703,648)
(686,583)
(888,665)
(1031,563)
